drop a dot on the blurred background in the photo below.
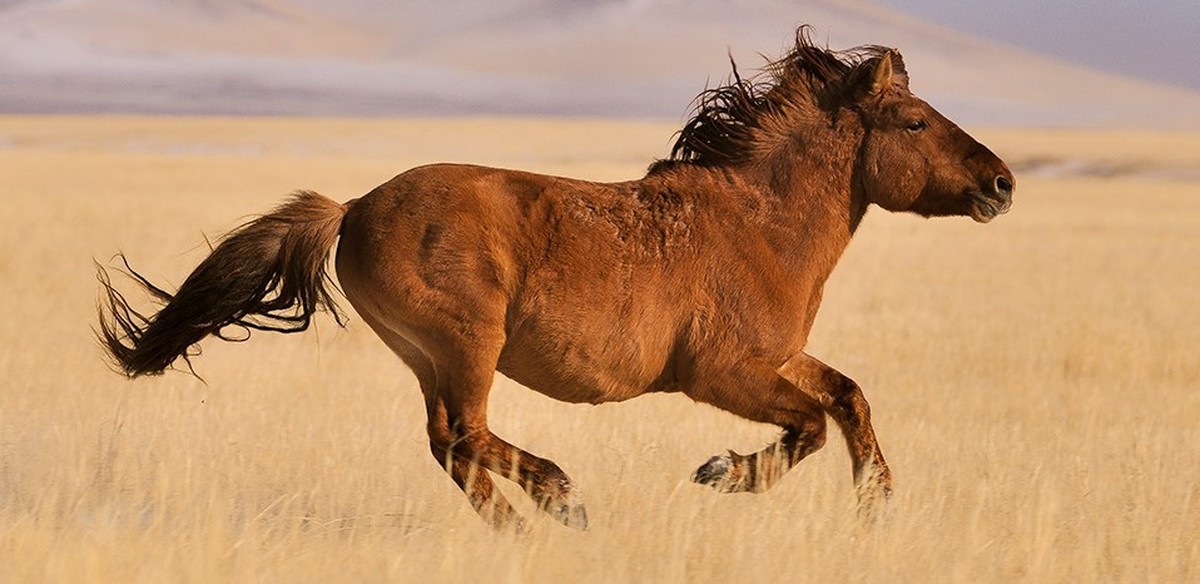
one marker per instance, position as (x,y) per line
(1050,64)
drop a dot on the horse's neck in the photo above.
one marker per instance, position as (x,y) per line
(817,207)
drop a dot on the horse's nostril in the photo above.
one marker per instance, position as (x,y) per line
(1003,185)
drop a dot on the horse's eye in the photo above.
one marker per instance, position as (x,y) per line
(916,125)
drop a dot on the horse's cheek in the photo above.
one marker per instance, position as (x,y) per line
(911,185)
(873,171)
(890,179)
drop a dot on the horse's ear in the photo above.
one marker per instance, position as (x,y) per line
(881,78)
(888,71)
(899,72)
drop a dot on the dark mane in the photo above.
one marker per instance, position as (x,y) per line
(730,121)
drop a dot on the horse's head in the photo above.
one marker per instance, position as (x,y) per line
(914,159)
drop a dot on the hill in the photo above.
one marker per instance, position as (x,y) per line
(629,58)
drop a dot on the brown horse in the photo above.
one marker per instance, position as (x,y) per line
(703,277)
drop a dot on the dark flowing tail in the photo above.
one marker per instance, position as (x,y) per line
(268,274)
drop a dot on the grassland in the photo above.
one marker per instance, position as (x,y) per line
(1034,382)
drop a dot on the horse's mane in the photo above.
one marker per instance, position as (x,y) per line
(729,121)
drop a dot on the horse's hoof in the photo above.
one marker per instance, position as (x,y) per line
(573,516)
(518,526)
(711,472)
(721,473)
(566,506)
(510,523)
(874,502)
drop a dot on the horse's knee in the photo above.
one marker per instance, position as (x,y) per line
(806,435)
(848,401)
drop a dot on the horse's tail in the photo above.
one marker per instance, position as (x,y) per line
(268,274)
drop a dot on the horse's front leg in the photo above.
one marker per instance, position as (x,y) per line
(843,399)
(755,391)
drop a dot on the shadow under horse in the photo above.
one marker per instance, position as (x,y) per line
(703,277)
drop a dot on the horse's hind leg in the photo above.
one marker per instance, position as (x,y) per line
(470,477)
(465,389)
(843,399)
(753,390)
(473,480)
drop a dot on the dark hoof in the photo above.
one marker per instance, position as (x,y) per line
(722,473)
(712,472)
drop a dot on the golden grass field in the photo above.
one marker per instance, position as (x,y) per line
(1035,382)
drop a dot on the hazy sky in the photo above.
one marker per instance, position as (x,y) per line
(1153,39)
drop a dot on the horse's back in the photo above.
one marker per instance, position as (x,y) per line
(448,224)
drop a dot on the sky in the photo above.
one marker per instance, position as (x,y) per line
(1157,40)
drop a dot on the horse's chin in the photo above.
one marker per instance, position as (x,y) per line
(981,216)
(983,209)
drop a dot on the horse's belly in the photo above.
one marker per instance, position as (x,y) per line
(580,370)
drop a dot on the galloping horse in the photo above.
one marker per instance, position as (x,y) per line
(703,277)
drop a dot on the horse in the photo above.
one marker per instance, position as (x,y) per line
(703,277)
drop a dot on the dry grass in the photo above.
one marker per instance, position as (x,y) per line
(1034,383)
